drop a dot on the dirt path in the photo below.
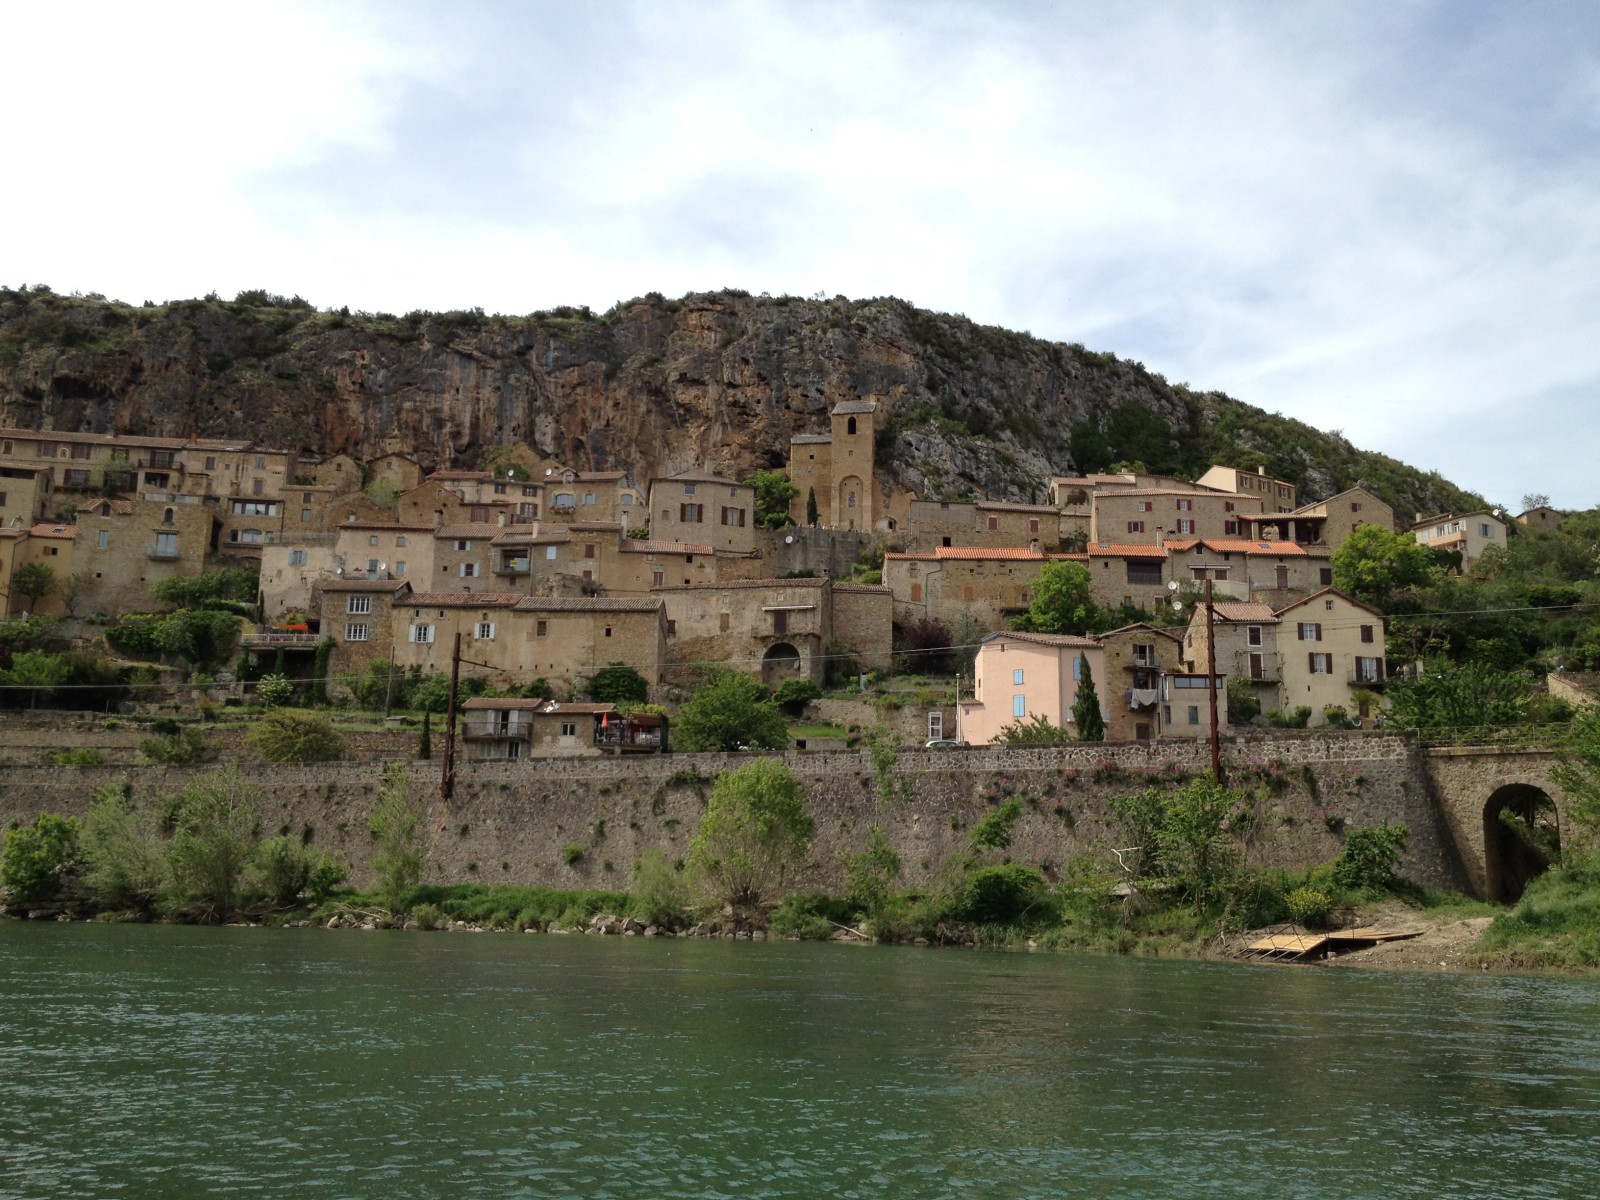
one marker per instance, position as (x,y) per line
(1445,943)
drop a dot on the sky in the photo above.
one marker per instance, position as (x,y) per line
(1380,218)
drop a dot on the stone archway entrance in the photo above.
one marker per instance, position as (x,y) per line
(1521,838)
(781,661)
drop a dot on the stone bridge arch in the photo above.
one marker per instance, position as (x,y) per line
(1472,785)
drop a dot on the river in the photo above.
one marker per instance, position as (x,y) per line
(174,1061)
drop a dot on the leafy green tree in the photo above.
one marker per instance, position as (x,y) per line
(755,829)
(730,712)
(274,690)
(1086,714)
(384,492)
(1190,837)
(213,842)
(1447,695)
(1578,776)
(659,891)
(870,873)
(617,684)
(773,493)
(813,515)
(34,859)
(431,693)
(398,838)
(1374,563)
(1243,704)
(1062,600)
(33,582)
(287,868)
(292,735)
(124,854)
(793,695)
(35,674)
(196,591)
(1369,856)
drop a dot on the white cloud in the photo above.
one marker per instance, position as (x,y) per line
(1380,219)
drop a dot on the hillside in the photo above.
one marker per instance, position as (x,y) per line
(652,386)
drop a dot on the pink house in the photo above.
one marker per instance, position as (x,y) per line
(1020,676)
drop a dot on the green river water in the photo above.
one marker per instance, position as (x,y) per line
(171,1061)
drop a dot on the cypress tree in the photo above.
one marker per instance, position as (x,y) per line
(1086,708)
(812,515)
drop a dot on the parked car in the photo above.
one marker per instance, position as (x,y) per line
(943,743)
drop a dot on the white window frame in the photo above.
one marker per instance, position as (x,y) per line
(358,605)
(357,631)
(422,634)
(484,632)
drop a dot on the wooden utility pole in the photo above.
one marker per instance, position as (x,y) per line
(1211,686)
(447,783)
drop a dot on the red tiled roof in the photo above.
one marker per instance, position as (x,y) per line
(1238,610)
(476,529)
(1239,546)
(60,532)
(1328,591)
(337,584)
(987,552)
(630,546)
(1045,639)
(1126,550)
(1016,506)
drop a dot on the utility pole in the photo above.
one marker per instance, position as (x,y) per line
(447,784)
(1211,686)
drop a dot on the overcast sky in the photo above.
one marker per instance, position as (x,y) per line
(1382,218)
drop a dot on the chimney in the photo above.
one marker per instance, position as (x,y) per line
(1161,538)
(1261,470)
(500,518)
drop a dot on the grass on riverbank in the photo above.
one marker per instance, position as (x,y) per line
(1556,924)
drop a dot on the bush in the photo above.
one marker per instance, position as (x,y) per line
(1369,856)
(999,895)
(1243,705)
(809,918)
(660,892)
(286,868)
(179,749)
(754,829)
(78,756)
(124,856)
(1334,716)
(213,842)
(274,690)
(288,735)
(1298,719)
(34,860)
(573,854)
(428,916)
(397,834)
(1309,907)
(617,684)
(794,694)
(731,712)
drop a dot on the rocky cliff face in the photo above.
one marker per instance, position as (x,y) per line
(652,386)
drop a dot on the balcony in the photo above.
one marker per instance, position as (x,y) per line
(162,553)
(511,566)
(275,639)
(1365,675)
(492,726)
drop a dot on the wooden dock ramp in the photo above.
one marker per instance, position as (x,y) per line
(1297,943)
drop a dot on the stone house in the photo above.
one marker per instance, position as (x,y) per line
(1150,516)
(1128,575)
(498,728)
(933,523)
(1138,660)
(1542,517)
(464,557)
(27,495)
(125,546)
(426,625)
(993,583)
(703,509)
(359,615)
(339,472)
(1020,676)
(1272,572)
(1246,638)
(1276,495)
(1186,704)
(1324,523)
(436,502)
(1469,534)
(568,639)
(1333,650)
(379,549)
(594,496)
(399,469)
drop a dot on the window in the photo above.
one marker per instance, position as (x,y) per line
(550,553)
(1135,526)
(1369,670)
(688,489)
(1320,664)
(480,514)
(1194,714)
(1355,506)
(541,628)
(588,497)
(1077,668)
(530,490)
(297,558)
(608,631)
(463,545)
(1366,633)
(484,631)
(305,498)
(588,550)
(1309,631)
(1147,506)
(916,593)
(499,489)
(1258,667)
(255,508)
(627,499)
(850,425)
(102,539)
(1485,531)
(75,477)
(400,569)
(261,464)
(372,540)
(967,594)
(1185,505)
(780,622)
(1016,677)
(658,577)
(1230,527)
(935,726)
(569,729)
(399,541)
(257,488)
(45,450)
(422,635)
(1185,526)
(305,516)
(513,749)
(469,570)
(1144,572)
(994,524)
(1325,576)
(563,500)
(1019,706)
(358,604)
(166,545)
(1227,506)
(733,516)
(1252,635)
(691,514)
(357,631)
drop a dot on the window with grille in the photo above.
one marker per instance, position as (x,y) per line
(484,631)
(358,604)
(357,631)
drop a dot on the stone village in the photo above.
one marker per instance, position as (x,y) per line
(551,573)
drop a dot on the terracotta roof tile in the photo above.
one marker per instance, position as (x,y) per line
(630,546)
(986,552)
(1236,610)
(464,599)
(1239,546)
(596,604)
(740,583)
(484,529)
(1044,639)
(1127,550)
(63,533)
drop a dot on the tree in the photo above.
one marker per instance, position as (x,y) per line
(1578,775)
(286,867)
(38,672)
(1086,714)
(425,742)
(1535,500)
(773,493)
(35,859)
(617,684)
(33,582)
(659,891)
(966,633)
(813,516)
(731,712)
(290,735)
(793,695)
(397,834)
(925,646)
(1062,601)
(1035,732)
(274,691)
(1446,695)
(1374,563)
(754,830)
(869,873)
(213,842)
(124,856)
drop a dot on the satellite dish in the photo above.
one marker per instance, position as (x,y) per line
(1172,585)
(1177,606)
(788,539)
(338,570)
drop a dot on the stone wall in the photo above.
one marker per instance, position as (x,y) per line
(512,822)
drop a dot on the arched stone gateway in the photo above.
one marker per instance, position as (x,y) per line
(1521,834)
(781,661)
(1473,786)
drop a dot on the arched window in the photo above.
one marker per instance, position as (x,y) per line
(167,519)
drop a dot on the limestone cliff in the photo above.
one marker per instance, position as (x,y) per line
(653,386)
